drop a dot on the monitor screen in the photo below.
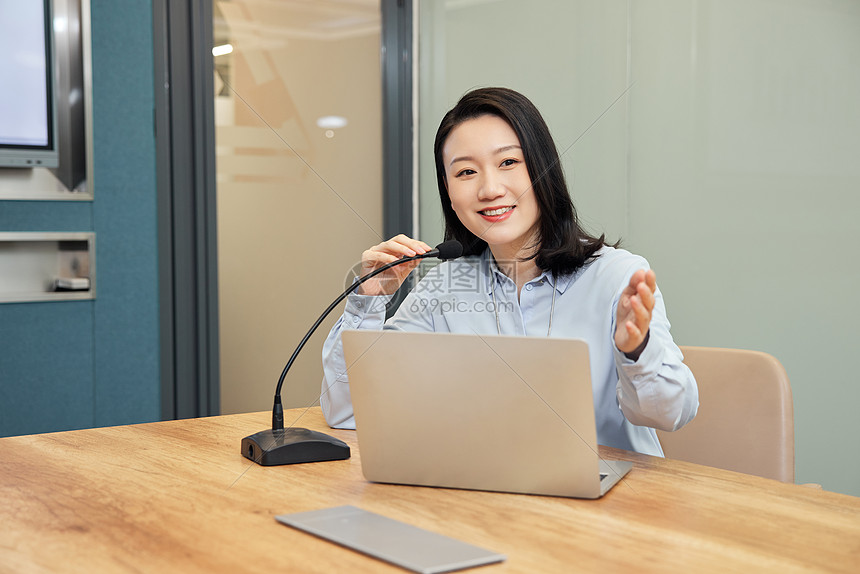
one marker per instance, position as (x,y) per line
(27,122)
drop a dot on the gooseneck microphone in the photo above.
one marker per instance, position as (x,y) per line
(277,445)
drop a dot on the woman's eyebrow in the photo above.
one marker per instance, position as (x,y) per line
(502,149)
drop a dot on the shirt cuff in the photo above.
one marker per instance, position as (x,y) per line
(636,379)
(364,311)
(648,363)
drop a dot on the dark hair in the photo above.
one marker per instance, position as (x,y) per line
(564,246)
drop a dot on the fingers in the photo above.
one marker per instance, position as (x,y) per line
(387,252)
(645,296)
(373,258)
(642,286)
(642,303)
(641,312)
(644,277)
(392,250)
(651,280)
(403,246)
(628,336)
(635,335)
(635,309)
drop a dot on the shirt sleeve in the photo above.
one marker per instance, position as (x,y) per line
(361,312)
(657,390)
(365,312)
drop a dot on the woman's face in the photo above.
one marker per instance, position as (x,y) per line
(489,184)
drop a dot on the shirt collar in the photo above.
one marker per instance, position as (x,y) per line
(493,273)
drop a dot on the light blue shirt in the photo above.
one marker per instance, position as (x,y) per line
(631,399)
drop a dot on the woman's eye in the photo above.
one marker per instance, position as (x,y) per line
(509,162)
(465,172)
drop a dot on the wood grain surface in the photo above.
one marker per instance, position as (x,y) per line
(178,496)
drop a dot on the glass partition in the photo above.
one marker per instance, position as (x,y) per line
(299,127)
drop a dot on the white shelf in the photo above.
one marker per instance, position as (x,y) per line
(31,262)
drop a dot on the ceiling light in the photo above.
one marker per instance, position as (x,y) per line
(222,49)
(331,122)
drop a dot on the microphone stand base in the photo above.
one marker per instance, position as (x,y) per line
(292,446)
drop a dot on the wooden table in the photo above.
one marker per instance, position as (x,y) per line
(178,497)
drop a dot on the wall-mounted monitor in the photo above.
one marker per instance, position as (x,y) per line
(28,126)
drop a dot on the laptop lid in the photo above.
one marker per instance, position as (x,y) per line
(484,412)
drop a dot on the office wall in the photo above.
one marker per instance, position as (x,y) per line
(67,365)
(731,164)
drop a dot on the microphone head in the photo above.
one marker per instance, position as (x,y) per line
(451,249)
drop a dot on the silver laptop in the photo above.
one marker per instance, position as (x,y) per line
(499,413)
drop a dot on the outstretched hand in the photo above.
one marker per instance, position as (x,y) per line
(395,248)
(633,316)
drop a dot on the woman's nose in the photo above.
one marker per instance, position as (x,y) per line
(491,188)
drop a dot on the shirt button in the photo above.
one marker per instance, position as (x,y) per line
(355,320)
(529,287)
(359,304)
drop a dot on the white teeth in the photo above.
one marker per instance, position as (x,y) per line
(499,211)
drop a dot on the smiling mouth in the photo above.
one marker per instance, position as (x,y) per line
(494,212)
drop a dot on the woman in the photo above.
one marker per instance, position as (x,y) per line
(528,269)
